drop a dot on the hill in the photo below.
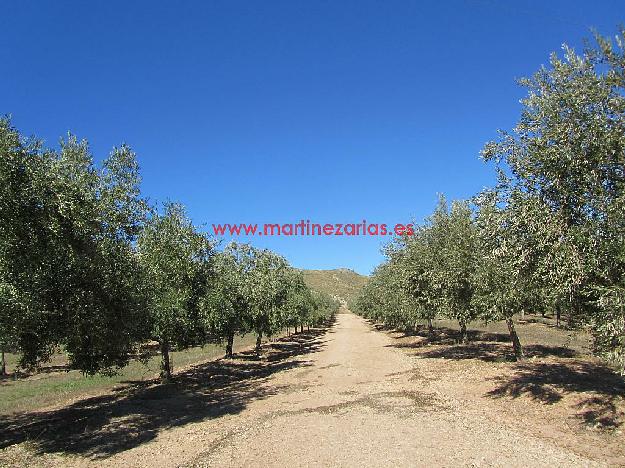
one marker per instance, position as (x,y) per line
(341,282)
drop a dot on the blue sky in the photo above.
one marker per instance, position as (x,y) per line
(276,111)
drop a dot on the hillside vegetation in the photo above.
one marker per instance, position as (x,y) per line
(341,282)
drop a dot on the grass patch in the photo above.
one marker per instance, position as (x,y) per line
(54,385)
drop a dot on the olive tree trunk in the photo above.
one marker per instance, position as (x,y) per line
(166,361)
(463,331)
(230,345)
(259,340)
(516,343)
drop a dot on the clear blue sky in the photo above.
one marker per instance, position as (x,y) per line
(274,111)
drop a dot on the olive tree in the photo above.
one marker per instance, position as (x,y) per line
(325,307)
(176,264)
(268,290)
(68,274)
(299,305)
(228,300)
(454,259)
(505,278)
(568,151)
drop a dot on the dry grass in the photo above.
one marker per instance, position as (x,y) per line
(53,384)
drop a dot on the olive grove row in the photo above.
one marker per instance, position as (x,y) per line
(88,267)
(550,236)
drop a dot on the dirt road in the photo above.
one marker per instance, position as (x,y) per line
(351,400)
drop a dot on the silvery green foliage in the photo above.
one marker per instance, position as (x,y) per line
(551,235)
(568,152)
(300,304)
(256,291)
(428,274)
(228,300)
(398,290)
(454,260)
(506,277)
(87,266)
(268,291)
(417,275)
(68,274)
(608,316)
(176,261)
(324,308)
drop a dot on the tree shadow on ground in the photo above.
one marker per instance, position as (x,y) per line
(103,425)
(495,352)
(444,343)
(601,389)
